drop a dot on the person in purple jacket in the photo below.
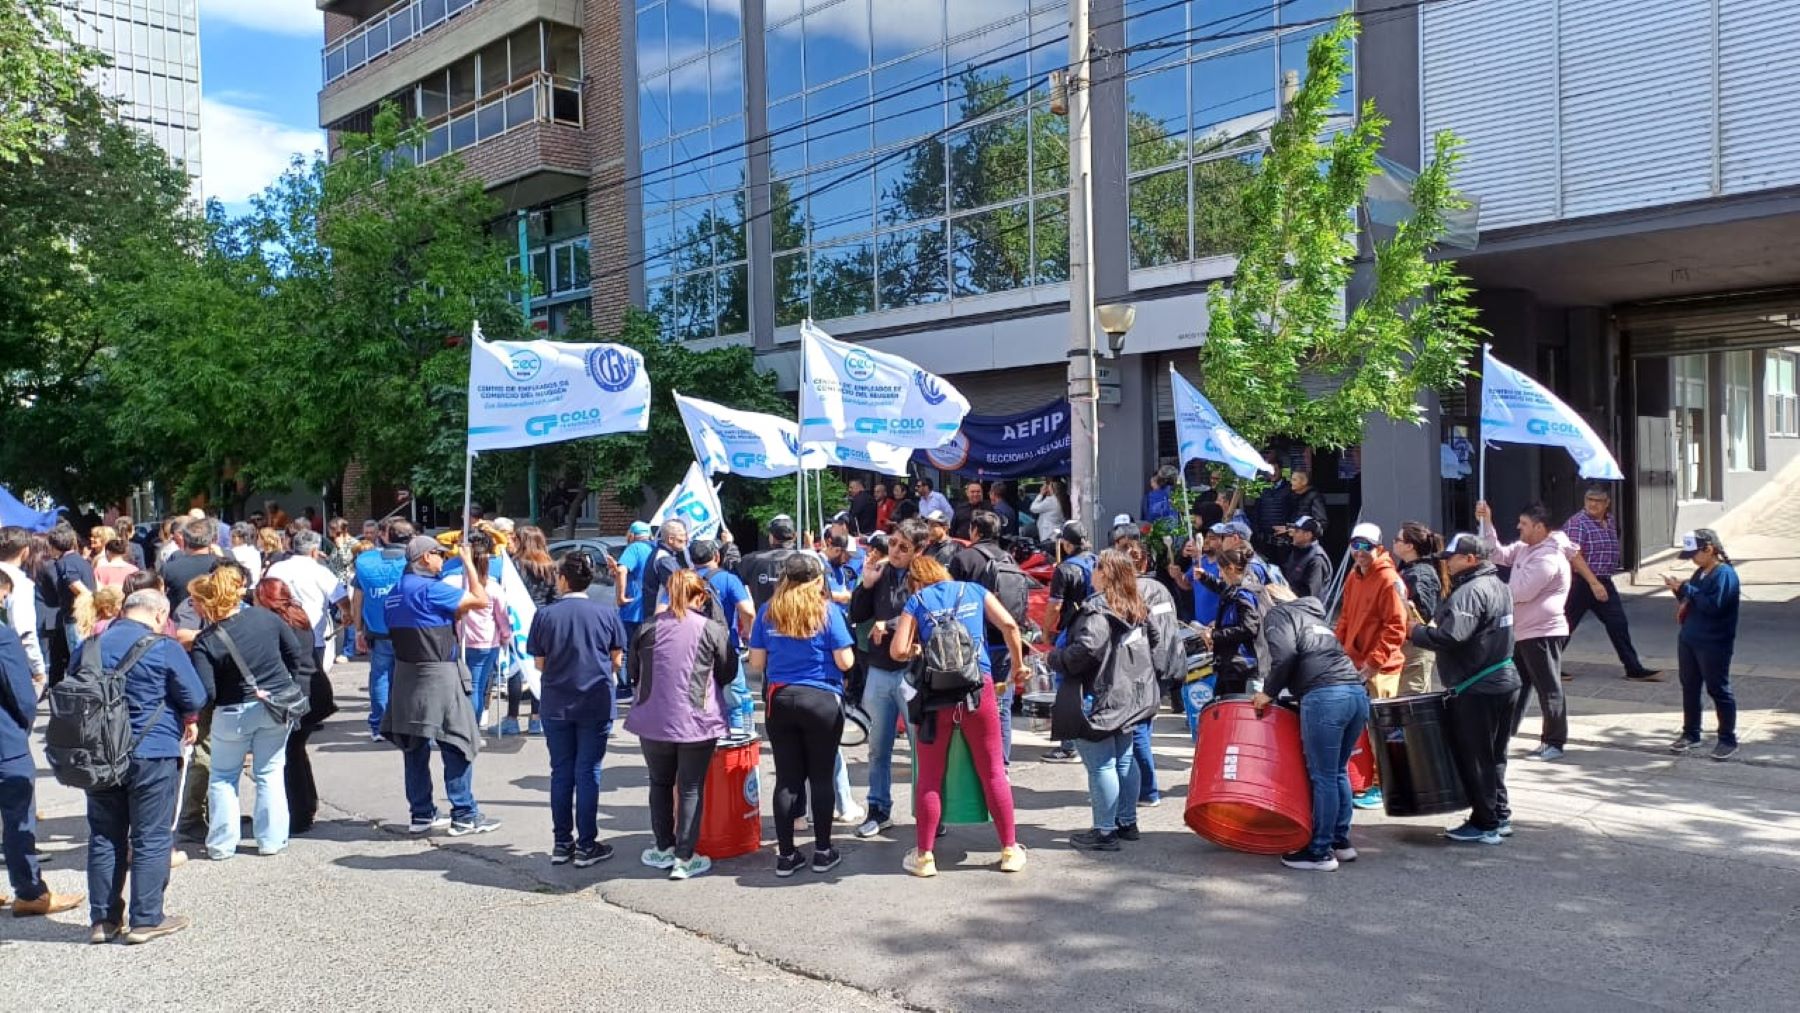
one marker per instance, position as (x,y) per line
(684,661)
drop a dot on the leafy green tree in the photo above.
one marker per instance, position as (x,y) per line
(41,79)
(1282,318)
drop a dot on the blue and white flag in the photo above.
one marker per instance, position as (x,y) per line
(521,612)
(1517,409)
(728,441)
(853,393)
(868,455)
(526,393)
(1202,434)
(695,503)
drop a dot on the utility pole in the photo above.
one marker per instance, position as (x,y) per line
(1084,383)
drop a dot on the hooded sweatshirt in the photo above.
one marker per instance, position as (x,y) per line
(1373,625)
(1539,583)
(1299,652)
(1113,663)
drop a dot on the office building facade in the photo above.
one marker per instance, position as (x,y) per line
(154,46)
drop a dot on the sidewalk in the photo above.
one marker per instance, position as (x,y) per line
(1607,710)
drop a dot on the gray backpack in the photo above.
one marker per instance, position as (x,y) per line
(88,740)
(949,663)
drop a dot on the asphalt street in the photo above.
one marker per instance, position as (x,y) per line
(1636,881)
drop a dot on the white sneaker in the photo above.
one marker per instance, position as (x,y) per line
(695,866)
(658,859)
(852,816)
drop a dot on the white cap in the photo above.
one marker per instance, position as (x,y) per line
(1372,532)
(1121,519)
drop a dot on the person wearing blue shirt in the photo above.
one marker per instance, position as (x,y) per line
(578,644)
(1709,619)
(427,705)
(375,573)
(18,813)
(629,571)
(802,646)
(131,826)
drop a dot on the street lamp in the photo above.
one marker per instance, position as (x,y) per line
(1116,319)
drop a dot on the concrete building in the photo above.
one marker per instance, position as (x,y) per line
(1640,246)
(155,72)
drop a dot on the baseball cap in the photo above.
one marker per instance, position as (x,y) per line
(1464,544)
(1073,533)
(1121,519)
(422,546)
(1365,530)
(1307,523)
(802,566)
(1238,528)
(781,526)
(640,529)
(936,517)
(1700,538)
(841,517)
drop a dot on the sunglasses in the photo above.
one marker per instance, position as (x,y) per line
(1362,545)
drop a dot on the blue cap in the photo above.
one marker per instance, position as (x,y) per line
(640,529)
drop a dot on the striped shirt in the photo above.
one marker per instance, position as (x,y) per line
(1598,540)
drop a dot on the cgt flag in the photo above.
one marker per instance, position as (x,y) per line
(695,503)
(526,393)
(728,441)
(1202,434)
(1517,409)
(856,394)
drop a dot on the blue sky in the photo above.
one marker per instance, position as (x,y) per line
(259,73)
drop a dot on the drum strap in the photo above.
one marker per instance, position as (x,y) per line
(1478,676)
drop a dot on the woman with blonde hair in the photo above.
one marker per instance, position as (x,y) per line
(269,543)
(802,648)
(244,656)
(94,612)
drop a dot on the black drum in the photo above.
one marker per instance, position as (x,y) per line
(1412,748)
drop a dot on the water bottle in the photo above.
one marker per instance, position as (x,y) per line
(741,707)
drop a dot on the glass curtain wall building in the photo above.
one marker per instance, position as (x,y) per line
(155,50)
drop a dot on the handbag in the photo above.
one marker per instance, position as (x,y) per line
(286,704)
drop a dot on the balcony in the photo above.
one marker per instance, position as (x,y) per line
(385,32)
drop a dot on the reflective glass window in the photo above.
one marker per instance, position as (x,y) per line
(906,26)
(911,267)
(837,41)
(843,280)
(990,251)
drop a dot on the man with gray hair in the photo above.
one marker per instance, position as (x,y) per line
(244,550)
(129,826)
(313,585)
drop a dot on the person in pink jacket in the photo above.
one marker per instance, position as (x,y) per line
(1540,588)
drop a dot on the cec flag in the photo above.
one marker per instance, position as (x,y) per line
(728,441)
(525,393)
(851,392)
(1517,409)
(521,611)
(1202,434)
(695,503)
(881,458)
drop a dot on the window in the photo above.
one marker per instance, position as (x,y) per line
(1740,447)
(1782,388)
(1693,428)
(569,266)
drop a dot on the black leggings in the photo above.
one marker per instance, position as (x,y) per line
(677,770)
(804,725)
(302,792)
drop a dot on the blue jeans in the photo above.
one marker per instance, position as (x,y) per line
(18,826)
(1146,762)
(381,676)
(481,662)
(241,730)
(883,702)
(1112,780)
(1000,661)
(130,830)
(1707,666)
(627,675)
(576,749)
(459,782)
(1331,719)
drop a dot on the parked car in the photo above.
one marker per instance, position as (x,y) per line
(605,549)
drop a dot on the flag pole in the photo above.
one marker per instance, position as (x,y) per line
(468,453)
(800,424)
(1480,437)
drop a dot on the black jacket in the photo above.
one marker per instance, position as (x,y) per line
(270,647)
(1310,503)
(1300,653)
(1424,588)
(1473,631)
(884,602)
(944,551)
(862,513)
(1111,661)
(1236,628)
(1308,570)
(1170,659)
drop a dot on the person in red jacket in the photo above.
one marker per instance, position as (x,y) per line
(1373,624)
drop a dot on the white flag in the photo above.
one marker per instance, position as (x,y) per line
(525,393)
(521,611)
(1202,434)
(851,392)
(728,441)
(1517,409)
(882,458)
(695,503)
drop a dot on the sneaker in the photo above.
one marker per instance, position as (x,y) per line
(851,817)
(1545,753)
(1647,675)
(1505,829)
(104,932)
(479,825)
(562,852)
(1012,859)
(1061,755)
(1128,832)
(509,726)
(923,866)
(592,854)
(1323,862)
(1469,833)
(1095,840)
(535,728)
(1724,751)
(1150,803)
(374,736)
(1343,852)
(1370,799)
(623,695)
(50,903)
(877,821)
(1682,744)
(177,858)
(171,924)
(657,859)
(787,865)
(695,866)
(825,859)
(425,826)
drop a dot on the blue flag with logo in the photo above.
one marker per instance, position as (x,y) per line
(526,393)
(695,503)
(1517,409)
(849,392)
(1202,434)
(1029,443)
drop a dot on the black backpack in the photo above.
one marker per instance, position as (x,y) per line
(88,740)
(948,664)
(1003,577)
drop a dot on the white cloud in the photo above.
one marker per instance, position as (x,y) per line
(287,17)
(242,150)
